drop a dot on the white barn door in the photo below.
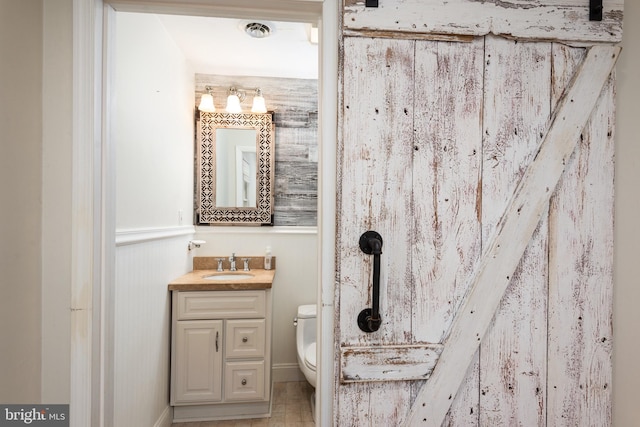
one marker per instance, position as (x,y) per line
(436,137)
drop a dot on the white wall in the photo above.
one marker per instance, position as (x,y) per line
(21,98)
(153,134)
(154,125)
(626,370)
(295,282)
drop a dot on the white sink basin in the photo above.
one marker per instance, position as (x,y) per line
(229,276)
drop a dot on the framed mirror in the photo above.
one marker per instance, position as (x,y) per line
(235,167)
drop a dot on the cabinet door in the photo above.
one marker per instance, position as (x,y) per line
(198,376)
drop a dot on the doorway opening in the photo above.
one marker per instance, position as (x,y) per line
(326,16)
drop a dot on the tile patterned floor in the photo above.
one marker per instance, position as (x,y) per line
(291,407)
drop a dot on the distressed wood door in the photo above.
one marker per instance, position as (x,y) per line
(436,137)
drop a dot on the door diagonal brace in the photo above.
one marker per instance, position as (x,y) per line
(512,235)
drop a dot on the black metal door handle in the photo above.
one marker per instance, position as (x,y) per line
(369,319)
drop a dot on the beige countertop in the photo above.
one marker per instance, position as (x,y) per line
(195,281)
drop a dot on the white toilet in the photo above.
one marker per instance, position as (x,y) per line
(306,341)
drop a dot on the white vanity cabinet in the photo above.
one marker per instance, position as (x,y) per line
(220,355)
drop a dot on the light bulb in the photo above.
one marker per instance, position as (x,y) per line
(206,103)
(259,105)
(233,104)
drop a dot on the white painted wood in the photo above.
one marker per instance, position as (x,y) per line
(295,10)
(388,363)
(447,236)
(446,220)
(580,254)
(141,305)
(164,420)
(196,413)
(513,233)
(198,363)
(221,304)
(107,298)
(376,190)
(244,338)
(86,387)
(244,381)
(375,195)
(327,208)
(513,353)
(140,235)
(541,20)
(205,389)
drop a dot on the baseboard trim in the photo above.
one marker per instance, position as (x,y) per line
(286,372)
(165,418)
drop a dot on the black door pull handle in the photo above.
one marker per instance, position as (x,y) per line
(369,319)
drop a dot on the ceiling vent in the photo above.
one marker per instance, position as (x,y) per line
(257,30)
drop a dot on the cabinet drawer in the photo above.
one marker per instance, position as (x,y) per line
(245,338)
(221,304)
(244,381)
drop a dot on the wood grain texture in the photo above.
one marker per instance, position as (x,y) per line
(465,150)
(513,233)
(376,195)
(388,363)
(377,176)
(447,162)
(295,106)
(516,112)
(566,20)
(581,254)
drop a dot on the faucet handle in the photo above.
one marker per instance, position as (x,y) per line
(246,263)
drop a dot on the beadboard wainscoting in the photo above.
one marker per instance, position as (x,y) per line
(146,261)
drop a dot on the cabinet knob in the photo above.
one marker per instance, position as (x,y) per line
(245,339)
(244,381)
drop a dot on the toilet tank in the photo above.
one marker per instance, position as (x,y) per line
(307,311)
(306,329)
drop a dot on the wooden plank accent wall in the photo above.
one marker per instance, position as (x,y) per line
(295,106)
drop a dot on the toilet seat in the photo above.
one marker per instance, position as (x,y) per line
(310,356)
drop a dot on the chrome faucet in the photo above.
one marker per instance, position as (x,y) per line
(220,263)
(232,259)
(246,263)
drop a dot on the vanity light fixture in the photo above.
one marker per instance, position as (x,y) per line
(259,106)
(206,101)
(234,99)
(236,96)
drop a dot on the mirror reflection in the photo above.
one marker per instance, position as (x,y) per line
(236,168)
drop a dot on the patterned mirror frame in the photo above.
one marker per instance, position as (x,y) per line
(206,211)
